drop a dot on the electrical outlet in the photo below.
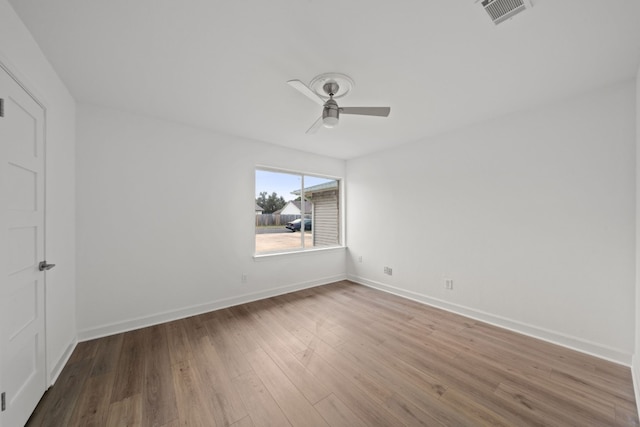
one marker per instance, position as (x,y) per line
(360,259)
(448,284)
(388,270)
(244,278)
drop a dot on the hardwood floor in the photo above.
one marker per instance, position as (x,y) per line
(336,355)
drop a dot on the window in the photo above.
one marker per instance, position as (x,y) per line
(296,212)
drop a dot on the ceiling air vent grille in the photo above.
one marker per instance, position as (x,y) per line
(501,10)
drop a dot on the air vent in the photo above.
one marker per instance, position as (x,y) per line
(501,10)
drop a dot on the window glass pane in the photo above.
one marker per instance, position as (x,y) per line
(275,207)
(287,222)
(324,195)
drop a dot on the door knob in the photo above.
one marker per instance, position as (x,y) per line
(44,266)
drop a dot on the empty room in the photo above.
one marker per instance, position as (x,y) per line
(319,213)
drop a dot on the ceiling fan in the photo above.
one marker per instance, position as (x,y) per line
(333,85)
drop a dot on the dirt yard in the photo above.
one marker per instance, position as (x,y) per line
(281,241)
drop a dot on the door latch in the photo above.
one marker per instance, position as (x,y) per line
(44,266)
(3,403)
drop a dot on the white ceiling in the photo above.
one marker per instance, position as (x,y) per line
(223,64)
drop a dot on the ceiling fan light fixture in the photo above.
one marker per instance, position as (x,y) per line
(330,114)
(330,122)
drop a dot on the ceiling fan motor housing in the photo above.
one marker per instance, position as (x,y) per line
(330,113)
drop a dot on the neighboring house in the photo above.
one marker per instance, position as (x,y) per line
(293,208)
(325,215)
(259,210)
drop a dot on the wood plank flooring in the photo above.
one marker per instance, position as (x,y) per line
(335,355)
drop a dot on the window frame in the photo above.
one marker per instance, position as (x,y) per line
(311,249)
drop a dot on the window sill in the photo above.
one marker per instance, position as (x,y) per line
(270,255)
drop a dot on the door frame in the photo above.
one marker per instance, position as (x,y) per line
(29,88)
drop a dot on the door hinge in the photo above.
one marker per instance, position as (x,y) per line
(1,107)
(3,403)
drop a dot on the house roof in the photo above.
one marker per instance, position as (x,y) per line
(331,185)
(259,208)
(439,65)
(308,206)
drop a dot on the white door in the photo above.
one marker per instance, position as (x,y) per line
(22,341)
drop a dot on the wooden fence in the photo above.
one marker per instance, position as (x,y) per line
(266,220)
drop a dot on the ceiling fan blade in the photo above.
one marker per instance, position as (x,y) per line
(367,111)
(314,127)
(305,90)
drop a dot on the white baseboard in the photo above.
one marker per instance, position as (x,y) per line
(635,375)
(62,361)
(574,343)
(168,316)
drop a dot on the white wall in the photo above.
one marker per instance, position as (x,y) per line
(636,357)
(531,215)
(161,228)
(22,56)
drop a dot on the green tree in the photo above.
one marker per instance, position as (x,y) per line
(270,203)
